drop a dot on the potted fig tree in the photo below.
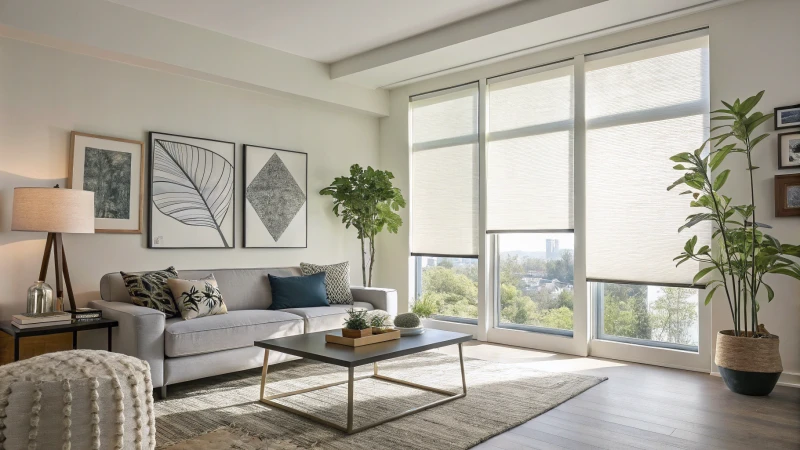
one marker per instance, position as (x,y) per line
(743,258)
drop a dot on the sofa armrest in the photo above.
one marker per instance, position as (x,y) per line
(380,298)
(140,333)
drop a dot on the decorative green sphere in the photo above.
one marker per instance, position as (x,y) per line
(407,320)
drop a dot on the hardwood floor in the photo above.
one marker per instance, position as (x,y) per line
(647,407)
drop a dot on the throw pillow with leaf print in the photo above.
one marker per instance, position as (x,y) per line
(197,298)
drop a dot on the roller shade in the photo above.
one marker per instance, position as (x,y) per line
(444,172)
(529,150)
(643,105)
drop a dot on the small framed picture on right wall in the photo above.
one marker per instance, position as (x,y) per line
(787,195)
(789,150)
(787,117)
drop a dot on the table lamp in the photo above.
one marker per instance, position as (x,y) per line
(54,211)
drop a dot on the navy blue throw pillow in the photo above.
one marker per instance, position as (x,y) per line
(298,292)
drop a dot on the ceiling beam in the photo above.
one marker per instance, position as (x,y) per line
(110,31)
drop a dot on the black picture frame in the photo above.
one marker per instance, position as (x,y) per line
(252,148)
(778,124)
(781,149)
(150,172)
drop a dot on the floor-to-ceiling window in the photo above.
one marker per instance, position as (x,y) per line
(643,105)
(541,172)
(444,202)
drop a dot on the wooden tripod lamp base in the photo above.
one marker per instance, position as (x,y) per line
(55,243)
(55,211)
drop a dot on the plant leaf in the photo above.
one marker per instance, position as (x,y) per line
(711,294)
(719,181)
(192,185)
(703,272)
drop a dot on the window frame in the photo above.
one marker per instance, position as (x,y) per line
(598,299)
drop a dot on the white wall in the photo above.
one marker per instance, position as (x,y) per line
(46,93)
(754,45)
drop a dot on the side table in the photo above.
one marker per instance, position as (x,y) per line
(17,333)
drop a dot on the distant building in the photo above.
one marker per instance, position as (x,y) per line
(552,251)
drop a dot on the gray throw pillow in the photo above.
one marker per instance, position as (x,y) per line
(337,281)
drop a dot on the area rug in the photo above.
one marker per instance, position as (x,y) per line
(224,412)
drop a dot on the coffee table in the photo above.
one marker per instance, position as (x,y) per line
(313,346)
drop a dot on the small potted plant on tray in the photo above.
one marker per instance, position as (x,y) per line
(357,324)
(379,323)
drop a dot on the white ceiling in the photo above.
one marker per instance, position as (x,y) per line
(322,30)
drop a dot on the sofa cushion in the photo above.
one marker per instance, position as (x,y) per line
(150,289)
(326,317)
(337,281)
(197,298)
(228,331)
(298,292)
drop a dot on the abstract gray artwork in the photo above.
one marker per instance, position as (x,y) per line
(793,197)
(107,173)
(275,196)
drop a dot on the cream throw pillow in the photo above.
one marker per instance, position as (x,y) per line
(197,298)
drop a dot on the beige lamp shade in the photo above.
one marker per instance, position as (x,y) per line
(53,210)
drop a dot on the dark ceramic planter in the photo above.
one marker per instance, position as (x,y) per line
(749,383)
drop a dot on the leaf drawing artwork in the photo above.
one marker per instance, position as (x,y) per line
(192,185)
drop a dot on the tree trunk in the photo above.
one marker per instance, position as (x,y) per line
(371,258)
(363,264)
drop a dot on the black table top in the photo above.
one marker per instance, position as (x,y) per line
(313,346)
(8,328)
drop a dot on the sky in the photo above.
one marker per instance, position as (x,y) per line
(533,242)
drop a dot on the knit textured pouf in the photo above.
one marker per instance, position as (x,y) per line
(79,399)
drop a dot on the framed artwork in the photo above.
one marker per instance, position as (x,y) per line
(192,187)
(275,198)
(787,117)
(787,195)
(113,169)
(789,150)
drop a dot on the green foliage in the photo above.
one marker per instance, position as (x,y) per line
(356,320)
(378,320)
(406,320)
(426,306)
(368,202)
(672,315)
(625,311)
(746,253)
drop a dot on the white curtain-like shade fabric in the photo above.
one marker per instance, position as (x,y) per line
(642,108)
(529,152)
(53,210)
(444,173)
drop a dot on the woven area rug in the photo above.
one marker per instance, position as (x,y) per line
(224,412)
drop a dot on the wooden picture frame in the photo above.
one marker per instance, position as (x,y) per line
(789,150)
(96,163)
(787,117)
(787,195)
(274,198)
(192,191)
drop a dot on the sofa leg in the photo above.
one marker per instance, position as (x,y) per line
(164,392)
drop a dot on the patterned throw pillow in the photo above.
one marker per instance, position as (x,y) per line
(337,281)
(197,298)
(150,289)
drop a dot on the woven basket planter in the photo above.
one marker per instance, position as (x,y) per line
(749,366)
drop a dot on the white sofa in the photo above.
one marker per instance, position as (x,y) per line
(181,350)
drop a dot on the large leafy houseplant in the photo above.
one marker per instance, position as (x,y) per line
(744,253)
(368,202)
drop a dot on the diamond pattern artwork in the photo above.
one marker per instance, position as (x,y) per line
(275,196)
